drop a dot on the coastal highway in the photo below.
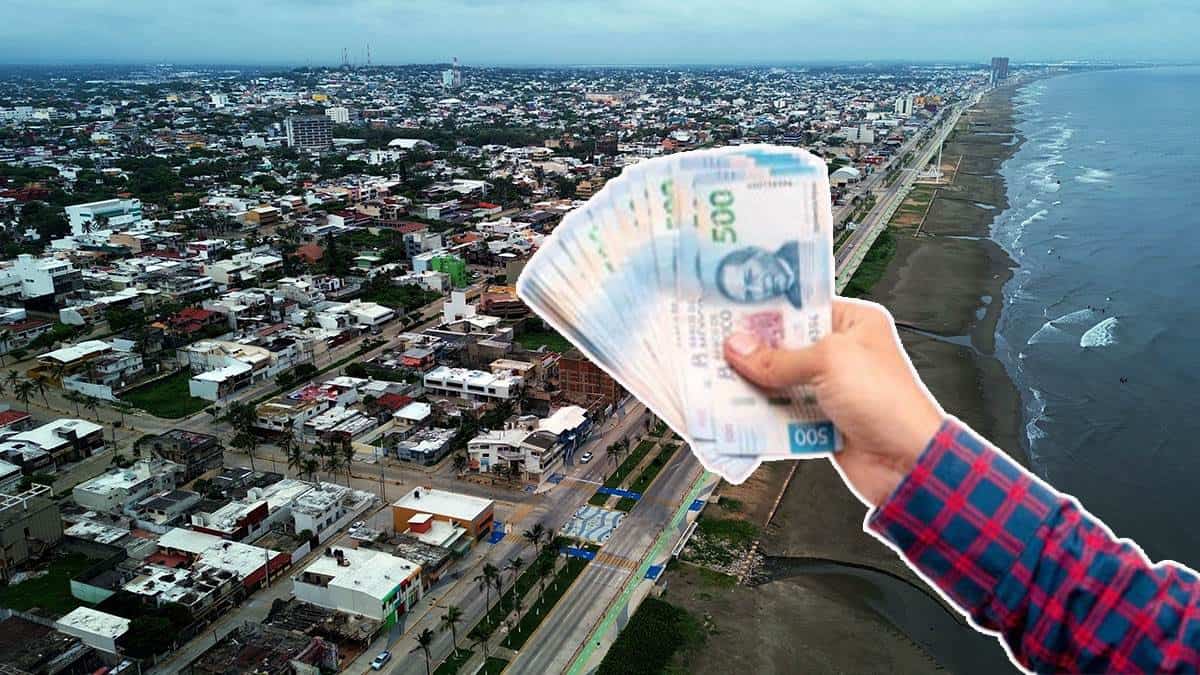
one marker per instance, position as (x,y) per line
(850,255)
(552,648)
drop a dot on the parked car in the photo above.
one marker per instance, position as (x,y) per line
(585,458)
(380,659)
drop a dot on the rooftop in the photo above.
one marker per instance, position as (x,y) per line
(95,622)
(443,503)
(372,572)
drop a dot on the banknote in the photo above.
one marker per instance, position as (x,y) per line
(655,271)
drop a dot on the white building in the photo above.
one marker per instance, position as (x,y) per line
(472,384)
(110,492)
(107,214)
(339,114)
(904,105)
(359,581)
(32,277)
(96,629)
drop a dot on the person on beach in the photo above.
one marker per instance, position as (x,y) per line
(1021,560)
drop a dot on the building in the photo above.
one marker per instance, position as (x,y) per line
(427,446)
(339,114)
(252,565)
(586,384)
(472,384)
(107,214)
(369,583)
(905,104)
(30,524)
(42,283)
(454,267)
(999,70)
(63,440)
(309,132)
(474,514)
(112,491)
(195,452)
(96,629)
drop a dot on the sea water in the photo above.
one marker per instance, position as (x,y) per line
(1101,325)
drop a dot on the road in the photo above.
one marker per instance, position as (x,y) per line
(552,509)
(568,626)
(850,255)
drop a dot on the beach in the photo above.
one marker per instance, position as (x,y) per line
(835,598)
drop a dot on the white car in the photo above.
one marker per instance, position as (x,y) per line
(585,458)
(380,659)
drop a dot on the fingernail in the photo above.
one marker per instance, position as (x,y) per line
(742,344)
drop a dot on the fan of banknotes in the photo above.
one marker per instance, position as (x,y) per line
(651,275)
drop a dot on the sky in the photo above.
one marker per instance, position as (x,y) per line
(592,32)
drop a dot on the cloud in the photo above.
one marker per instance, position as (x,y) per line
(592,31)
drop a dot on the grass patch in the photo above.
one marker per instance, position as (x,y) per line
(730,504)
(51,592)
(598,499)
(657,633)
(714,578)
(494,665)
(634,458)
(453,663)
(643,481)
(873,266)
(526,581)
(533,339)
(167,397)
(555,589)
(734,531)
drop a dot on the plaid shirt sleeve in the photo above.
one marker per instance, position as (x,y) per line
(1028,563)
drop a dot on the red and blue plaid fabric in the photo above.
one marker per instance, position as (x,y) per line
(1028,563)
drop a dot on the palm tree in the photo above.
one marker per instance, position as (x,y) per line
(480,637)
(5,336)
(544,568)
(347,451)
(515,565)
(11,378)
(74,397)
(484,579)
(311,466)
(451,619)
(247,442)
(460,462)
(331,459)
(24,391)
(93,404)
(535,535)
(291,449)
(518,603)
(424,640)
(42,385)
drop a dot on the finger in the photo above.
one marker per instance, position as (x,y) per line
(774,368)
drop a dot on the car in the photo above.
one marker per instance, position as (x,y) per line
(585,458)
(380,659)
(358,525)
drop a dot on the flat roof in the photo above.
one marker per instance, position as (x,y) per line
(443,503)
(77,351)
(564,419)
(372,572)
(94,622)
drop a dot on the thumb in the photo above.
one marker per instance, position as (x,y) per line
(774,368)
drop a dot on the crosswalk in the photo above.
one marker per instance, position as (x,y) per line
(613,560)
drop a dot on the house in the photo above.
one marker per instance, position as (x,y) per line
(194,451)
(30,524)
(369,583)
(474,514)
(427,446)
(251,565)
(472,385)
(112,491)
(64,440)
(96,629)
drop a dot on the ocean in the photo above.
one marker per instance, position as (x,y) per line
(1101,318)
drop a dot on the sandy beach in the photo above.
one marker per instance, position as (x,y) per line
(944,288)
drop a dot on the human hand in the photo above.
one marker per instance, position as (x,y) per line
(867,386)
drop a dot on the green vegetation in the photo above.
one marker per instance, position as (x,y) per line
(453,663)
(634,458)
(873,265)
(527,580)
(51,592)
(658,633)
(539,608)
(736,532)
(659,429)
(494,666)
(59,332)
(167,397)
(643,481)
(730,504)
(598,499)
(532,339)
(407,297)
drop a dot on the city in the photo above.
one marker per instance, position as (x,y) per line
(270,401)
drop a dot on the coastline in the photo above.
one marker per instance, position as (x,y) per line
(944,285)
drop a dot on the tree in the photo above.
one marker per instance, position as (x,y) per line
(535,535)
(451,619)
(346,449)
(460,462)
(93,404)
(424,640)
(479,637)
(76,398)
(310,467)
(41,385)
(248,443)
(515,565)
(24,391)
(544,568)
(331,459)
(291,449)
(485,579)
(5,336)
(12,378)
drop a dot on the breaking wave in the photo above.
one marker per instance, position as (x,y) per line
(1091,175)
(1078,326)
(1102,334)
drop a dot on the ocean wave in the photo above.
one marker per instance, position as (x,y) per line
(1091,175)
(1102,334)
(1061,236)
(1040,215)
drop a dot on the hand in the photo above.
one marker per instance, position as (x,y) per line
(865,383)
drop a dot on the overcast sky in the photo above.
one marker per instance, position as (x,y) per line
(487,32)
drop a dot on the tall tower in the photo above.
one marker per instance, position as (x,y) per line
(999,69)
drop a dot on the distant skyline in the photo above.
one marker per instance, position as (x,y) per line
(593,32)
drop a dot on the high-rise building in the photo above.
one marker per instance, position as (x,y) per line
(584,383)
(999,69)
(904,105)
(309,132)
(452,77)
(340,114)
